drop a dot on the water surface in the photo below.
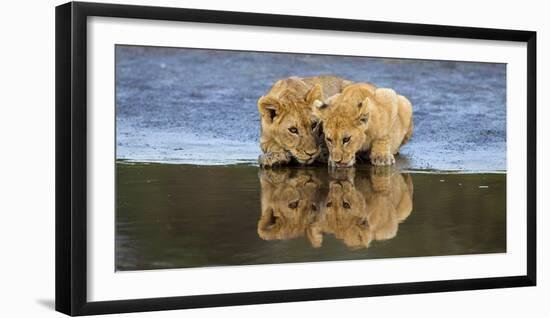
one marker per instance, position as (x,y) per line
(178,216)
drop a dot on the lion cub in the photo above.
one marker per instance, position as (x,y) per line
(365,119)
(289,129)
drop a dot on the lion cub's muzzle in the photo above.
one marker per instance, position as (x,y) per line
(308,157)
(341,163)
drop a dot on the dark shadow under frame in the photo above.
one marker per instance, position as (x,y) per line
(71,157)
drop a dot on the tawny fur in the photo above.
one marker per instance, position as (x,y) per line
(360,210)
(364,119)
(356,210)
(288,106)
(289,203)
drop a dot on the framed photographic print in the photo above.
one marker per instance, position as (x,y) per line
(208,158)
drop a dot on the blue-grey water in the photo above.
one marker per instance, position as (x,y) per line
(198,106)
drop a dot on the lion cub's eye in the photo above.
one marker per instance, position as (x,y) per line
(346,205)
(329,140)
(313,125)
(346,139)
(329,204)
(293,130)
(293,204)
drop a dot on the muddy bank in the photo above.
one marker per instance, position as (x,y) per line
(199,106)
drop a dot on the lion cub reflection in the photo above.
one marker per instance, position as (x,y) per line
(290,203)
(354,207)
(358,210)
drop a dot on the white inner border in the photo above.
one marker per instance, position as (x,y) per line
(105,284)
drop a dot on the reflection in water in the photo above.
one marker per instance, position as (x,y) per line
(356,208)
(181,216)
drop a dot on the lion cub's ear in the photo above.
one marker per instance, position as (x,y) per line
(319,105)
(364,111)
(269,107)
(314,94)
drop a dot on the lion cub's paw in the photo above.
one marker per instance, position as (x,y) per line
(381,178)
(271,159)
(275,176)
(382,159)
(381,171)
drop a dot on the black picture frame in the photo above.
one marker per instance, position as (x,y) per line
(71,157)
